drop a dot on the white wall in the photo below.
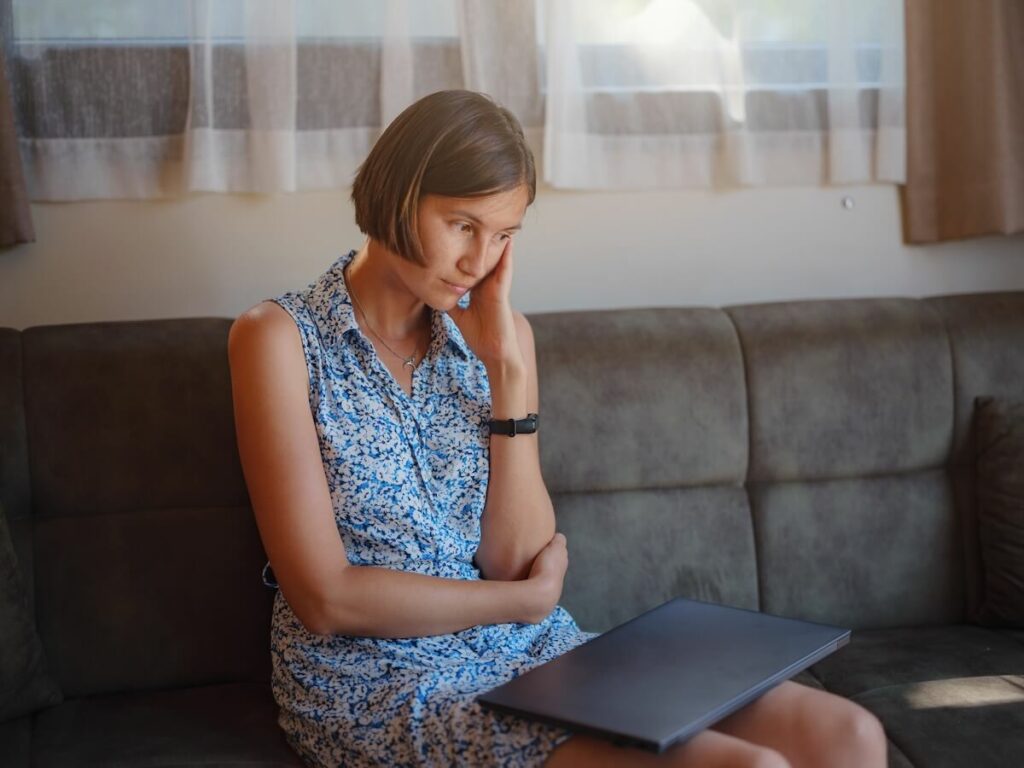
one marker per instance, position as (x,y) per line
(215,255)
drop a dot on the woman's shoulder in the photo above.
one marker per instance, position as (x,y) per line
(265,355)
(268,327)
(268,318)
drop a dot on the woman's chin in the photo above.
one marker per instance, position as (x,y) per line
(440,305)
(444,303)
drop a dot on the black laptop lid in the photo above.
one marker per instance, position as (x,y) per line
(668,673)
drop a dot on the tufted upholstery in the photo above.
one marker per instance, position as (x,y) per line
(806,458)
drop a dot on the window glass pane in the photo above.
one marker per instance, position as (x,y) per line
(367,18)
(698,23)
(150,20)
(73,20)
(688,44)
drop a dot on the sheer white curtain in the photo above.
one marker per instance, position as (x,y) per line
(133,99)
(129,98)
(256,150)
(663,93)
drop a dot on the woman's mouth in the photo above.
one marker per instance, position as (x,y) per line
(458,290)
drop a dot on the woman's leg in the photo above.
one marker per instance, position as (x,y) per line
(708,749)
(811,728)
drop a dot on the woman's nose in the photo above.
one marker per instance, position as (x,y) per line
(474,261)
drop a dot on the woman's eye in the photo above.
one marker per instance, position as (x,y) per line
(463,227)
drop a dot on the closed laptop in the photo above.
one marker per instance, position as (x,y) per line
(667,674)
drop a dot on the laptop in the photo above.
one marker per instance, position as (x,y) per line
(667,674)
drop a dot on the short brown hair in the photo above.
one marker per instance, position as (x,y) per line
(455,143)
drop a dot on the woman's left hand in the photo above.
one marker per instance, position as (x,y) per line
(488,326)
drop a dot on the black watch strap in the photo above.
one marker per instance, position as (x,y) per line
(513,427)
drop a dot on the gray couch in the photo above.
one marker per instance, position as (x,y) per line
(809,459)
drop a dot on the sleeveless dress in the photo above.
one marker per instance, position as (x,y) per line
(408,482)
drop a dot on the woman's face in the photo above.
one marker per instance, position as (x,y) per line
(462,239)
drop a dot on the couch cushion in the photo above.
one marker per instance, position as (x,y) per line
(163,552)
(1013,634)
(640,398)
(864,553)
(153,598)
(216,725)
(896,758)
(25,681)
(947,696)
(986,335)
(845,387)
(973,721)
(999,428)
(897,657)
(16,742)
(14,488)
(633,550)
(14,485)
(150,398)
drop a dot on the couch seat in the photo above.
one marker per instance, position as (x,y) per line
(232,724)
(924,683)
(947,696)
(16,742)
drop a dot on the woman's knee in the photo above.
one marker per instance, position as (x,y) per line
(765,757)
(864,730)
(713,749)
(854,733)
(708,749)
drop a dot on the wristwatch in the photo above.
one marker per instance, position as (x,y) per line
(513,427)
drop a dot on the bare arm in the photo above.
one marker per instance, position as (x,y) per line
(380,602)
(518,520)
(283,469)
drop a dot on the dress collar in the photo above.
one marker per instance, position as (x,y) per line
(336,307)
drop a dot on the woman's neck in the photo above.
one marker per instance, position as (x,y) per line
(390,309)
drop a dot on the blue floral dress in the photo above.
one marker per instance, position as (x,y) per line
(408,481)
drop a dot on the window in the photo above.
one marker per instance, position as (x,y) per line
(613,93)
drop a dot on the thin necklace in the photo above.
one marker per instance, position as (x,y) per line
(407,362)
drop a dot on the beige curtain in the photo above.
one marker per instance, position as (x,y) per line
(15,216)
(965,119)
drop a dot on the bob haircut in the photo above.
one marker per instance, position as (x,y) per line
(454,143)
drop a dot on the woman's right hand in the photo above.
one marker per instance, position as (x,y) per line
(545,579)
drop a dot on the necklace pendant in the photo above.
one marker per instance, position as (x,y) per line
(408,362)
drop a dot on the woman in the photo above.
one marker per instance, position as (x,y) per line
(412,538)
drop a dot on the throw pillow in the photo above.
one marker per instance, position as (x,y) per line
(999,433)
(25,682)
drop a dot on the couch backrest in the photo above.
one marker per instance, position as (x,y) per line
(146,555)
(810,459)
(644,450)
(806,458)
(851,423)
(986,339)
(14,480)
